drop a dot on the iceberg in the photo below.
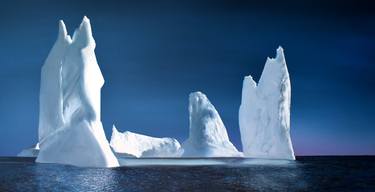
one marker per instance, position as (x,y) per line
(30,152)
(137,145)
(70,129)
(264,114)
(208,136)
(50,97)
(71,132)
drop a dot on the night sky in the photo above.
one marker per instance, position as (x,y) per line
(154,53)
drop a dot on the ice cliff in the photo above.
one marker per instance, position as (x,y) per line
(207,134)
(138,145)
(264,114)
(70,129)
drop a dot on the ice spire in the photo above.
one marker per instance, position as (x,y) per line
(264,114)
(63,33)
(70,128)
(208,136)
(50,98)
(83,34)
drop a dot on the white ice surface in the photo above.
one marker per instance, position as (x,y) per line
(70,129)
(143,146)
(208,136)
(50,98)
(264,114)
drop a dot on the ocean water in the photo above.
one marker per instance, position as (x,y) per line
(345,173)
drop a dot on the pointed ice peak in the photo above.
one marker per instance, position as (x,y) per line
(264,114)
(62,29)
(274,70)
(248,85)
(280,55)
(85,19)
(114,129)
(197,97)
(199,103)
(280,58)
(279,51)
(208,136)
(83,34)
(197,94)
(250,81)
(201,107)
(85,25)
(63,33)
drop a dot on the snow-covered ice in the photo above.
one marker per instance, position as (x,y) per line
(208,136)
(70,129)
(30,152)
(143,146)
(264,114)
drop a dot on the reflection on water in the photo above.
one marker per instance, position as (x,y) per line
(307,173)
(70,178)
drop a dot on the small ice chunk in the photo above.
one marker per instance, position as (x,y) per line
(143,146)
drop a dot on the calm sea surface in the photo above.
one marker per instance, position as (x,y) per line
(347,173)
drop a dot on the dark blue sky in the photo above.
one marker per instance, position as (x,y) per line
(154,53)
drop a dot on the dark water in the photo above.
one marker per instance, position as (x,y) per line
(306,174)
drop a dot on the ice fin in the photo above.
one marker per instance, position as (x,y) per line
(280,55)
(208,136)
(70,129)
(114,129)
(83,35)
(62,29)
(63,34)
(264,114)
(250,81)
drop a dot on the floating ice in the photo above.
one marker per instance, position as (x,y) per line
(50,98)
(207,134)
(70,129)
(138,145)
(264,114)
(71,132)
